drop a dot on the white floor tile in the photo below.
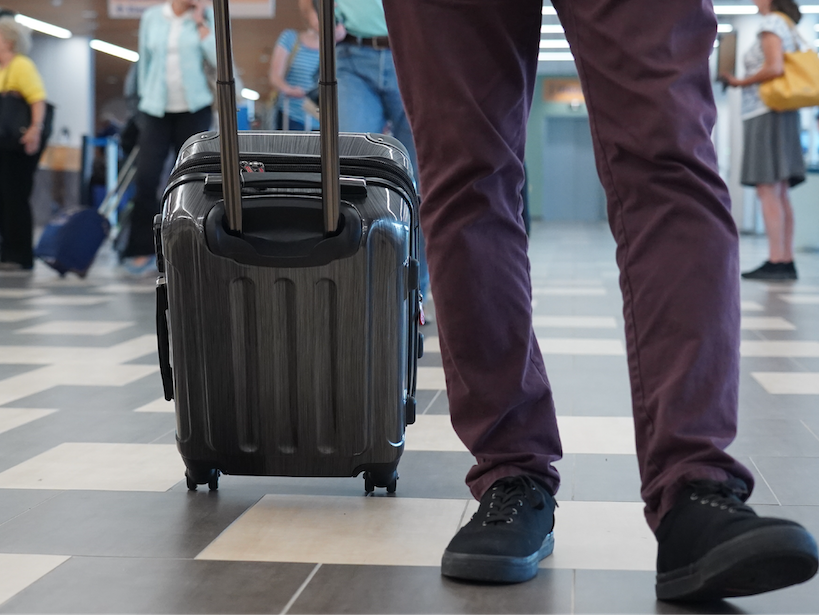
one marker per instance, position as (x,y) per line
(801,299)
(785,383)
(19,315)
(21,570)
(20,293)
(382,531)
(127,288)
(766,324)
(602,536)
(75,300)
(578,346)
(158,405)
(575,322)
(759,348)
(579,435)
(751,306)
(431,379)
(11,418)
(99,467)
(568,291)
(46,355)
(77,327)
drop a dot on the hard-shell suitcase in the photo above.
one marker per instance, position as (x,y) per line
(287,302)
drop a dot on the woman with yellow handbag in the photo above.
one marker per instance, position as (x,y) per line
(772,160)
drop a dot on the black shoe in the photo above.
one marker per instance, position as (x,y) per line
(507,537)
(772,271)
(712,546)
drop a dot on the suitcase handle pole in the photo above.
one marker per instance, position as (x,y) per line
(328,115)
(228,124)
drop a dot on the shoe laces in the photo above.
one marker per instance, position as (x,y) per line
(509,496)
(727,495)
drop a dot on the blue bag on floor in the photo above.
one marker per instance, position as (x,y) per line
(71,240)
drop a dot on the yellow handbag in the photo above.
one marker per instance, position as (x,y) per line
(798,86)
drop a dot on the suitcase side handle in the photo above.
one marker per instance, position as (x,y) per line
(351,187)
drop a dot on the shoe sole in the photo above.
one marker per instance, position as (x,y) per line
(752,563)
(495,568)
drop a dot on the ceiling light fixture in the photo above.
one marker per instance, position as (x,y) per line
(41,26)
(250,94)
(114,50)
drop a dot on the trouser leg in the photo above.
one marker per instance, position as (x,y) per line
(467,70)
(17,228)
(651,108)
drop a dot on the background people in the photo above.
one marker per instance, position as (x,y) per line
(772,159)
(18,160)
(175,39)
(467,70)
(293,73)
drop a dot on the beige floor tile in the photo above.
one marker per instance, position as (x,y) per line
(21,570)
(751,306)
(602,536)
(801,299)
(11,418)
(158,405)
(579,346)
(786,383)
(20,315)
(387,531)
(68,300)
(431,379)
(760,348)
(579,435)
(144,289)
(99,467)
(766,324)
(77,327)
(20,293)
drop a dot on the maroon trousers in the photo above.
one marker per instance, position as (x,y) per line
(466,69)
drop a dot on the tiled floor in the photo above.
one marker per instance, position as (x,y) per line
(95,516)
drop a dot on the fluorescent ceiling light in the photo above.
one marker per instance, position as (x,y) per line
(554,44)
(41,26)
(555,57)
(549,10)
(114,50)
(250,94)
(809,8)
(550,29)
(725,27)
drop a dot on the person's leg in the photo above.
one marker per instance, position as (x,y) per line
(467,91)
(155,140)
(787,222)
(185,125)
(18,182)
(651,108)
(359,105)
(770,197)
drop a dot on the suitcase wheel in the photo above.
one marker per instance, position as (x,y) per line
(373,480)
(209,478)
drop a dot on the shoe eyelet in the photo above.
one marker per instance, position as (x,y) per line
(483,524)
(694,497)
(520,502)
(714,504)
(731,510)
(723,507)
(509,520)
(514,511)
(704,501)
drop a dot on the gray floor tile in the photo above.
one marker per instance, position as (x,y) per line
(774,437)
(14,503)
(376,589)
(176,524)
(606,478)
(125,585)
(795,481)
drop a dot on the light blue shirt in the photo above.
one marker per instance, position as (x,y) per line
(363,18)
(154,31)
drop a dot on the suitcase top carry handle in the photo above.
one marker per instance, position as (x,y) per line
(328,110)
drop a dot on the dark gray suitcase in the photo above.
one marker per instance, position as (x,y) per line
(289,346)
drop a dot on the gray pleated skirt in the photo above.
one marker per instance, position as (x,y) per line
(772,150)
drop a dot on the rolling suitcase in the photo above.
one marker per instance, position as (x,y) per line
(287,301)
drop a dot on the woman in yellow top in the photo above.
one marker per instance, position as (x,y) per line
(17,166)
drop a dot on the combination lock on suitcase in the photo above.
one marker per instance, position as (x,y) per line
(287,302)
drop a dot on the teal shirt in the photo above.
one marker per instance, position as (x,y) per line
(364,18)
(154,31)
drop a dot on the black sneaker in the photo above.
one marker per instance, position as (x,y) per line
(712,546)
(772,271)
(507,537)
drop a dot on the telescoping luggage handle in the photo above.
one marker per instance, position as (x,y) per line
(328,111)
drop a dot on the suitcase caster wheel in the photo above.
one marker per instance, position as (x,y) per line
(191,483)
(213,481)
(393,485)
(369,483)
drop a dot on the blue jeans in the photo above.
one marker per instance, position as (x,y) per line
(369,100)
